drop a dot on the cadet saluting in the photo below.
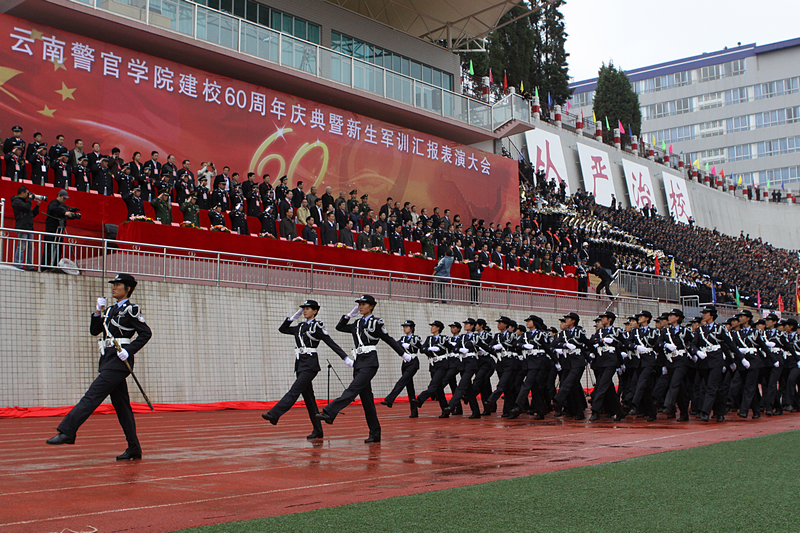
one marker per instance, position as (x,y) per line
(118,323)
(307,336)
(367,332)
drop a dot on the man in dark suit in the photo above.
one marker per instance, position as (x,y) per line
(153,164)
(327,199)
(309,231)
(223,178)
(386,208)
(341,216)
(396,245)
(316,212)
(605,278)
(285,205)
(328,231)
(346,235)
(298,195)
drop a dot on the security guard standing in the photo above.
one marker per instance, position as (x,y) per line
(411,344)
(15,140)
(307,336)
(134,203)
(61,172)
(124,181)
(82,174)
(15,164)
(203,194)
(367,331)
(118,322)
(190,210)
(102,182)
(239,221)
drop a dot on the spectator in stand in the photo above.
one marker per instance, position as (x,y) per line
(61,172)
(428,246)
(396,244)
(137,168)
(303,212)
(15,140)
(328,231)
(15,165)
(183,189)
(190,210)
(353,199)
(161,205)
(268,226)
(215,216)
(281,191)
(58,149)
(298,195)
(24,212)
(95,156)
(133,201)
(33,146)
(346,235)
(405,213)
(309,230)
(239,220)
(203,194)
(288,228)
(38,164)
(220,197)
(497,256)
(124,181)
(224,178)
(383,223)
(186,170)
(285,205)
(115,162)
(364,239)
(364,206)
(387,208)
(376,241)
(82,174)
(441,274)
(327,199)
(249,184)
(253,199)
(76,153)
(264,189)
(102,180)
(154,165)
(414,215)
(317,212)
(340,215)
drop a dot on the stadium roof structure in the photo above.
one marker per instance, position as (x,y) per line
(458,23)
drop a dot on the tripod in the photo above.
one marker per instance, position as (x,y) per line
(330,367)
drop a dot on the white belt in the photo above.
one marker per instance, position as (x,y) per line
(776,350)
(607,349)
(468,355)
(438,358)
(680,352)
(712,348)
(532,352)
(308,351)
(411,355)
(646,350)
(502,354)
(576,351)
(361,350)
(109,342)
(749,350)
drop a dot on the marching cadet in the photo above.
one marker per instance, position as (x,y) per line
(535,349)
(203,194)
(708,347)
(117,324)
(367,331)
(134,203)
(793,362)
(486,364)
(643,339)
(61,172)
(15,165)
(411,344)
(163,208)
(503,349)
(675,339)
(190,210)
(467,354)
(748,342)
(307,336)
(38,163)
(239,221)
(82,174)
(572,341)
(775,344)
(609,342)
(435,348)
(124,181)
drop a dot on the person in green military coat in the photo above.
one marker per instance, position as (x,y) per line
(163,208)
(428,246)
(191,211)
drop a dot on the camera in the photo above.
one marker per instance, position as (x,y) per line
(75,214)
(39,198)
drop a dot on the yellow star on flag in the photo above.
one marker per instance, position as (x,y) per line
(57,65)
(36,34)
(66,92)
(5,75)
(47,111)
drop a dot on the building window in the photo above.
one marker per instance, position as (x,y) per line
(711,129)
(713,157)
(582,99)
(736,96)
(714,72)
(710,101)
(736,124)
(739,153)
(683,105)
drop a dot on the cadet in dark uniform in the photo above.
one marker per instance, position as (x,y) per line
(434,348)
(774,344)
(750,342)
(61,172)
(134,203)
(676,340)
(609,342)
(120,322)
(124,181)
(307,336)
(15,140)
(644,340)
(82,174)
(503,349)
(572,341)
(102,181)
(367,331)
(15,165)
(239,221)
(709,344)
(215,216)
(411,344)
(466,351)
(535,349)
(203,194)
(38,164)
(281,190)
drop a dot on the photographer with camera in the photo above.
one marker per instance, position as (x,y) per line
(57,215)
(24,211)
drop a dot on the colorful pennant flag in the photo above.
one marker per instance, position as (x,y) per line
(780,303)
(654,140)
(740,180)
(713,293)
(536,92)
(663,145)
(594,117)
(706,166)
(714,169)
(796,298)
(657,267)
(672,268)
(621,129)
(549,100)
(670,149)
(722,172)
(738,300)
(607,126)
(505,81)
(569,104)
(758,300)
(522,87)
(697,163)
(471,70)
(491,79)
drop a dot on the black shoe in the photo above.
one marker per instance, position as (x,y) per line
(741,414)
(683,418)
(632,412)
(512,415)
(474,416)
(372,439)
(540,416)
(580,417)
(504,415)
(413,415)
(315,435)
(416,403)
(486,413)
(272,419)
(325,417)
(387,404)
(61,438)
(652,418)
(619,418)
(703,417)
(129,456)
(670,415)
(694,412)
(595,417)
(559,413)
(444,414)
(458,411)
(721,418)
(756,416)
(768,412)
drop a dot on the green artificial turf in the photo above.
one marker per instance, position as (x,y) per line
(748,485)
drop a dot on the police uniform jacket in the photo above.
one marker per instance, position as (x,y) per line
(751,341)
(253,202)
(571,358)
(536,357)
(367,332)
(56,151)
(135,205)
(216,219)
(414,342)
(681,337)
(61,174)
(127,325)
(11,142)
(307,336)
(268,222)
(81,175)
(239,223)
(15,167)
(435,356)
(647,338)
(38,169)
(607,355)
(778,353)
(183,189)
(102,180)
(713,339)
(124,183)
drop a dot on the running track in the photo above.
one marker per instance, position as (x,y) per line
(211,467)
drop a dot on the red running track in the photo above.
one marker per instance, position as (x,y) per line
(212,467)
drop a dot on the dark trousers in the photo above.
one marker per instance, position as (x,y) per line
(749,390)
(534,383)
(108,383)
(771,375)
(570,379)
(606,285)
(406,381)
(52,250)
(439,378)
(711,378)
(302,386)
(360,386)
(465,386)
(482,382)
(504,372)
(791,387)
(678,391)
(604,392)
(643,398)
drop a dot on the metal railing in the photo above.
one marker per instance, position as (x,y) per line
(648,286)
(726,311)
(234,33)
(103,257)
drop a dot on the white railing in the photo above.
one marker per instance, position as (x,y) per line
(234,33)
(648,286)
(105,257)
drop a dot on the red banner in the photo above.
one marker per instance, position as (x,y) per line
(57,82)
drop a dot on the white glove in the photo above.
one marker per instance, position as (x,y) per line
(770,344)
(407,357)
(405,346)
(101,303)
(434,349)
(349,362)
(745,363)
(724,368)
(623,368)
(664,371)
(620,370)
(591,356)
(743,351)
(641,349)
(463,350)
(498,347)
(777,364)
(608,340)
(798,364)
(671,347)
(123,355)
(570,346)
(297,315)
(354,313)
(625,355)
(558,367)
(527,346)
(733,367)
(559,351)
(694,359)
(701,354)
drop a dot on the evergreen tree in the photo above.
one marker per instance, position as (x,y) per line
(554,78)
(614,98)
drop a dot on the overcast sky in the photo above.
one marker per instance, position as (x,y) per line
(644,32)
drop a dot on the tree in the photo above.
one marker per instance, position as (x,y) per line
(614,98)
(551,72)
